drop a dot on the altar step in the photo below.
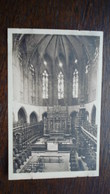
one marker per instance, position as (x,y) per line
(56,133)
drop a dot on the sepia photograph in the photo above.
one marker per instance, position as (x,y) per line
(54,103)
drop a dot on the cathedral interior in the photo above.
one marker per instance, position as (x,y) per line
(54,102)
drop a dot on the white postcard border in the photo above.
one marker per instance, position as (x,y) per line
(14,176)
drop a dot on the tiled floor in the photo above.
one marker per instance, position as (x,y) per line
(50,162)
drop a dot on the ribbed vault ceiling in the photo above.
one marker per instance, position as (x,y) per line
(68,48)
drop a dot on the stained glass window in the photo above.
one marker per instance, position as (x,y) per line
(45,85)
(60,85)
(75,84)
(32,70)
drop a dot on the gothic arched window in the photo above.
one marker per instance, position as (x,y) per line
(60,85)
(75,84)
(32,83)
(45,85)
(32,70)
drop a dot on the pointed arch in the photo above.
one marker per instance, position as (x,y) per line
(44,115)
(22,116)
(60,85)
(33,117)
(75,83)
(86,115)
(45,85)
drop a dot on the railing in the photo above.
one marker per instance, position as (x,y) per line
(87,148)
(90,128)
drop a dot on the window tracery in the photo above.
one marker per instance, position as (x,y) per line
(60,85)
(75,84)
(45,85)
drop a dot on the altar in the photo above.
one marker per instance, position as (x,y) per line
(57,121)
(52,146)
